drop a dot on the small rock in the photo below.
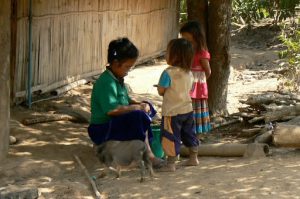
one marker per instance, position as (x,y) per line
(18,192)
(12,140)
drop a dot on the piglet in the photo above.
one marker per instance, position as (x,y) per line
(118,154)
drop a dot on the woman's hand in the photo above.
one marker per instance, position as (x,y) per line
(145,107)
(133,107)
(140,107)
(124,109)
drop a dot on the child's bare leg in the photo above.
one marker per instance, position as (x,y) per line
(156,162)
(170,166)
(151,155)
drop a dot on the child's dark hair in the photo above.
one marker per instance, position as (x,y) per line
(194,28)
(121,49)
(180,53)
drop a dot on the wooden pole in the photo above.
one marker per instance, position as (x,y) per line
(13,51)
(29,67)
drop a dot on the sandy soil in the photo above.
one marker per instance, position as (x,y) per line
(43,156)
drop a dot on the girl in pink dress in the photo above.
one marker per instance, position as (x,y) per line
(201,71)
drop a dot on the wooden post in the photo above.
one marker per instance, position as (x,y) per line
(13,52)
(4,76)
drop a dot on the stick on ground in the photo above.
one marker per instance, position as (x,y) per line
(97,193)
(47,118)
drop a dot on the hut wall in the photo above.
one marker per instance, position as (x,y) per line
(4,77)
(70,37)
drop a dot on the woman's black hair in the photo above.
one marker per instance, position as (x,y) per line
(180,53)
(121,49)
(194,28)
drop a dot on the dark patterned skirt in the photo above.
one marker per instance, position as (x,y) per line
(129,126)
(201,116)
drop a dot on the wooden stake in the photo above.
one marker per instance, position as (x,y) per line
(97,193)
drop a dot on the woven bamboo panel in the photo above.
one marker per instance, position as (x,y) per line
(70,37)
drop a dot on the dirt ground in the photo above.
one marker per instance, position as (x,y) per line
(43,155)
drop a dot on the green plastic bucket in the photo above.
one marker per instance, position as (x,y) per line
(156,142)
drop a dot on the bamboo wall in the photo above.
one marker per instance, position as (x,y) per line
(70,37)
(4,78)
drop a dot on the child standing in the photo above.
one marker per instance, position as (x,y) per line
(177,111)
(201,72)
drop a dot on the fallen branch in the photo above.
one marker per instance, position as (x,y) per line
(226,150)
(268,98)
(256,119)
(282,113)
(293,96)
(227,123)
(81,114)
(254,130)
(265,137)
(294,121)
(97,193)
(47,118)
(249,115)
(251,132)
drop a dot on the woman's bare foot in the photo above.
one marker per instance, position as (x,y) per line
(190,162)
(157,162)
(167,168)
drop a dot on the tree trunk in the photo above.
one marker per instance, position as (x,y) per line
(219,17)
(215,20)
(197,10)
(4,76)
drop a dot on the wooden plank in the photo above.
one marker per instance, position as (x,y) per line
(46,88)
